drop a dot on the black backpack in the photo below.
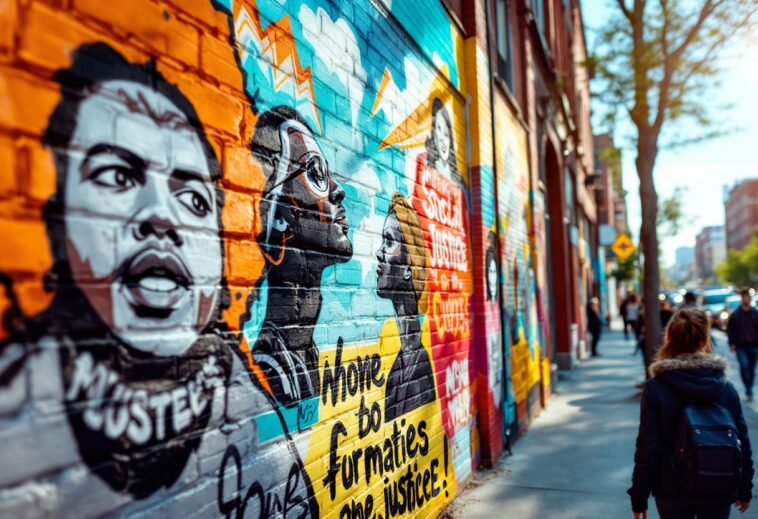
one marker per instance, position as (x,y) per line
(707,456)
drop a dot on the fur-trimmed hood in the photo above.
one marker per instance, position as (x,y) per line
(695,377)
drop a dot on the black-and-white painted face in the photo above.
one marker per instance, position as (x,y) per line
(495,373)
(441,136)
(309,199)
(392,271)
(492,278)
(142,231)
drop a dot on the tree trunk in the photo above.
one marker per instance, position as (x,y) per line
(647,151)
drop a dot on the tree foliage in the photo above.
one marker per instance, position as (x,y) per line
(626,270)
(671,213)
(655,63)
(740,268)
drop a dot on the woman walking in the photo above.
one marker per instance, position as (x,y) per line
(693,451)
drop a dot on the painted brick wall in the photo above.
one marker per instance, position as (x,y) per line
(237,265)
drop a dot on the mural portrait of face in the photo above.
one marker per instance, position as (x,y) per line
(302,203)
(393,272)
(441,135)
(134,227)
(401,269)
(491,266)
(440,146)
(141,214)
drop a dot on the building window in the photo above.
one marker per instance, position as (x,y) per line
(503,33)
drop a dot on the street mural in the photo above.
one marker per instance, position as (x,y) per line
(248,285)
(520,283)
(131,360)
(401,277)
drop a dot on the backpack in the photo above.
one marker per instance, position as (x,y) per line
(707,455)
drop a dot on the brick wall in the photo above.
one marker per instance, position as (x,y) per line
(263,257)
(237,269)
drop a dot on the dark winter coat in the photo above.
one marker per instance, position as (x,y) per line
(742,328)
(593,320)
(675,382)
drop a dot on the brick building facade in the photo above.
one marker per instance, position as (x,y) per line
(741,208)
(284,257)
(710,250)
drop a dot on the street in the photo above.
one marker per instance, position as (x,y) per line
(576,460)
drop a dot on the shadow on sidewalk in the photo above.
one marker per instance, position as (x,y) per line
(576,459)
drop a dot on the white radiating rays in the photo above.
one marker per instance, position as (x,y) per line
(273,52)
(335,45)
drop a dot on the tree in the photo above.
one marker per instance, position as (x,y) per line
(654,62)
(626,270)
(740,268)
(671,212)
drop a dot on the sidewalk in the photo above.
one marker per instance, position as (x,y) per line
(576,459)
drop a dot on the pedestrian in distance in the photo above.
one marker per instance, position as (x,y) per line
(630,314)
(742,331)
(622,314)
(593,323)
(693,451)
(690,301)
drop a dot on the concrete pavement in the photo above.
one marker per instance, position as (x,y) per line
(576,460)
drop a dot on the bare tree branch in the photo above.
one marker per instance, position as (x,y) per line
(624,9)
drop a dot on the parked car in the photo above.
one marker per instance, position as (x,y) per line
(713,302)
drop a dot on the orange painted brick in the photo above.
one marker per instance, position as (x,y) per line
(149,23)
(217,60)
(241,170)
(32,296)
(217,110)
(38,177)
(244,262)
(7,166)
(25,101)
(238,216)
(202,14)
(8,23)
(26,241)
(48,37)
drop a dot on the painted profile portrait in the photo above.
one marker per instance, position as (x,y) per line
(401,278)
(491,269)
(133,348)
(440,145)
(303,231)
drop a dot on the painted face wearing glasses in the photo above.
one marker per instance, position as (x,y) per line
(308,201)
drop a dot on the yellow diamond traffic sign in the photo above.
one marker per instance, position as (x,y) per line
(623,247)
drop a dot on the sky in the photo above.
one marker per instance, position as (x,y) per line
(704,169)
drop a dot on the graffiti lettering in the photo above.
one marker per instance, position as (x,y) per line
(358,510)
(451,312)
(448,249)
(116,409)
(457,389)
(368,420)
(394,452)
(358,376)
(273,502)
(411,490)
(443,201)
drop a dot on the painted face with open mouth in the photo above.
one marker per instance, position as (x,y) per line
(156,282)
(141,215)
